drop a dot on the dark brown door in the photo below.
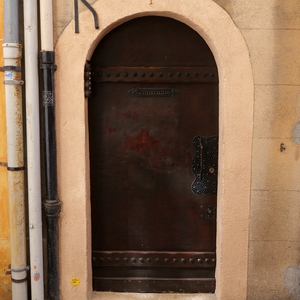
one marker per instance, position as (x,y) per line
(153,127)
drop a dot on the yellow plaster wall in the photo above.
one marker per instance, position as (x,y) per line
(5,283)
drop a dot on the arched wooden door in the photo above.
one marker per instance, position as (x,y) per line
(153,129)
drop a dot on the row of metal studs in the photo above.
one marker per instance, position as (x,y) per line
(160,75)
(157,260)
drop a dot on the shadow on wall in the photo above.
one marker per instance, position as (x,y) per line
(292,280)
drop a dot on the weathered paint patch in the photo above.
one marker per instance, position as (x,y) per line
(5,280)
(296,133)
(150,148)
(143,143)
(291,280)
(108,130)
(131,115)
(36,276)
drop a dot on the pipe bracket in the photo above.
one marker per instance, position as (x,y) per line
(48,66)
(19,270)
(19,280)
(52,208)
(14,82)
(10,68)
(14,169)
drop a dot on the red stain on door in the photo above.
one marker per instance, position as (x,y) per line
(150,147)
(143,144)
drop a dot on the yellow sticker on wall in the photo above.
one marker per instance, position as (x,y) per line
(75,281)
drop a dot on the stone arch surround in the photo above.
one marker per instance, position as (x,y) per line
(235,145)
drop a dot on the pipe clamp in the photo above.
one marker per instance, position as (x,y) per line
(19,280)
(14,82)
(19,270)
(10,68)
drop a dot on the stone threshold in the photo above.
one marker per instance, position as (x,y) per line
(149,296)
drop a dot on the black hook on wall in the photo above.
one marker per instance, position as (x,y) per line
(76,14)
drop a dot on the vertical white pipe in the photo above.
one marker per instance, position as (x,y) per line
(12,54)
(15,166)
(11,21)
(33,149)
(46,22)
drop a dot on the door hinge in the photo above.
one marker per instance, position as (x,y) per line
(87,80)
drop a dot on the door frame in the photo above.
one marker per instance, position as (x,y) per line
(236,98)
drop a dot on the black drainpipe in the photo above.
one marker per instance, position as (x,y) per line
(51,204)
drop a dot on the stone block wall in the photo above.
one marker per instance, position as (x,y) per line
(272,32)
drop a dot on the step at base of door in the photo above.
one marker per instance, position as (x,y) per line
(155,285)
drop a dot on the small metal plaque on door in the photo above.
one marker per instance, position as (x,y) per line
(153,92)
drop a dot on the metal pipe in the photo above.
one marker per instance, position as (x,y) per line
(89,6)
(12,53)
(33,149)
(11,21)
(76,16)
(52,203)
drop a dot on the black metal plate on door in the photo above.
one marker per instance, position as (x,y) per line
(205,165)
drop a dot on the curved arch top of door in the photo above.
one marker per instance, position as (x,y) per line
(153,128)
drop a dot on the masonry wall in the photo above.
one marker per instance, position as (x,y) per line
(271,30)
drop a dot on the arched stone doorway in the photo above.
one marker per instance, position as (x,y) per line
(235,123)
(153,137)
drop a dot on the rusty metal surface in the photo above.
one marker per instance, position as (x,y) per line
(15,167)
(141,149)
(205,165)
(155,74)
(155,259)
(87,80)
